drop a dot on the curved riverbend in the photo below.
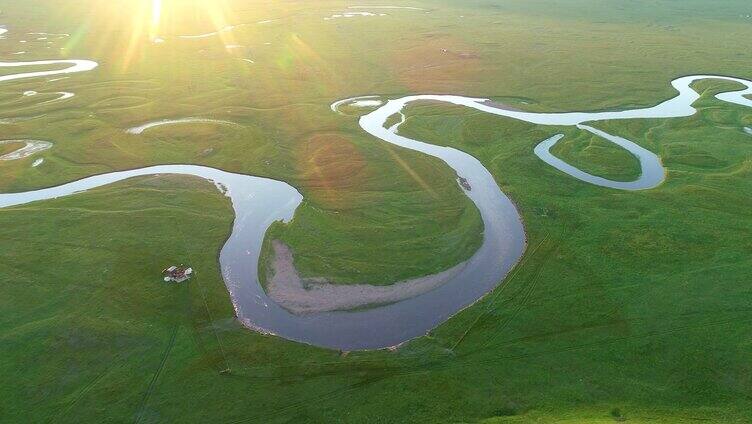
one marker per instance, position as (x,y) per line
(259,202)
(30,147)
(75,66)
(62,95)
(653,173)
(335,106)
(149,125)
(677,107)
(8,121)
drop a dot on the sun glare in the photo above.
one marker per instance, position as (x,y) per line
(146,23)
(156,16)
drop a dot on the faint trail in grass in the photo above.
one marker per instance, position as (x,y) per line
(311,401)
(440,364)
(156,375)
(492,302)
(596,343)
(527,291)
(214,330)
(85,390)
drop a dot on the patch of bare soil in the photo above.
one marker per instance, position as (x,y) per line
(304,296)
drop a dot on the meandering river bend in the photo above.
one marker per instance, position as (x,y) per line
(259,202)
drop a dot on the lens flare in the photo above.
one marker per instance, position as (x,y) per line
(156,17)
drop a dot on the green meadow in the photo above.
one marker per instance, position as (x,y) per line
(626,306)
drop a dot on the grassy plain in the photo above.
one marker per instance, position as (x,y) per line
(628,301)
(10,147)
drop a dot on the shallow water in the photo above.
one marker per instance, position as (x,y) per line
(367,103)
(335,106)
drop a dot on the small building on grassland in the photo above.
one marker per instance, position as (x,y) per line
(177,274)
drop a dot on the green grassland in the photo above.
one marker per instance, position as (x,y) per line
(10,147)
(597,156)
(626,305)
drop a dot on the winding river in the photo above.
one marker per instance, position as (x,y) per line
(259,202)
(74,66)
